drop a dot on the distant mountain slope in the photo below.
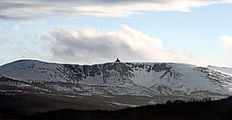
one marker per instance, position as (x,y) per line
(221,69)
(149,82)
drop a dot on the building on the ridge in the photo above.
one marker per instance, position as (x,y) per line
(117,60)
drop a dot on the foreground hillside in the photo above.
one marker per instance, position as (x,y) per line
(205,109)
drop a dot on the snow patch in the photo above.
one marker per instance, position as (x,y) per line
(123,104)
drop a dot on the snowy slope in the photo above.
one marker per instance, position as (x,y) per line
(108,79)
(224,70)
(29,71)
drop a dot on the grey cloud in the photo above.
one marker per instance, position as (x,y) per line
(90,46)
(85,49)
(27,10)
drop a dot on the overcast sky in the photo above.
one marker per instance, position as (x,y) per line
(95,31)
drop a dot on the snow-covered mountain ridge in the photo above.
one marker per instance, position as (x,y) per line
(224,70)
(119,78)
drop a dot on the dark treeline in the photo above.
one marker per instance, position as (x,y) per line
(206,109)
